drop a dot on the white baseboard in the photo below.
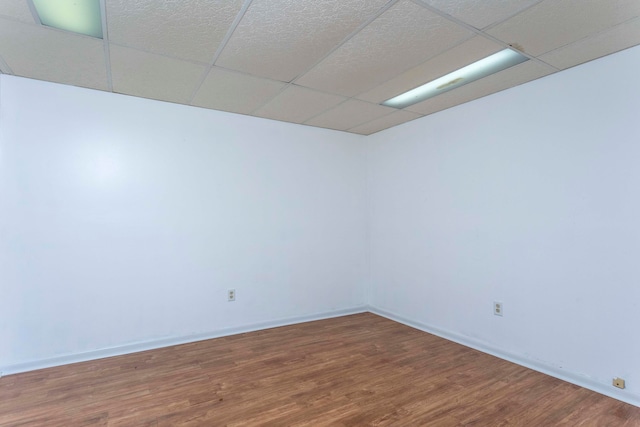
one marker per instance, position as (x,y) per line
(168,342)
(571,377)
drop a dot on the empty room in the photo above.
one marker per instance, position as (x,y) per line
(310,213)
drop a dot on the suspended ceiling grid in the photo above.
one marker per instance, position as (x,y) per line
(328,63)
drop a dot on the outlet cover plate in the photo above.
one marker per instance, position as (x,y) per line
(498,308)
(618,382)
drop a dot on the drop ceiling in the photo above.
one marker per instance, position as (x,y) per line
(324,63)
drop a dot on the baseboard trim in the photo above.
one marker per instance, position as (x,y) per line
(170,341)
(571,377)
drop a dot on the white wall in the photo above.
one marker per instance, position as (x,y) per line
(530,197)
(125,220)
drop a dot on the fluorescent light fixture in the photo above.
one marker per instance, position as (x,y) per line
(78,16)
(490,65)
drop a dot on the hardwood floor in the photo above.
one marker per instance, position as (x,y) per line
(351,371)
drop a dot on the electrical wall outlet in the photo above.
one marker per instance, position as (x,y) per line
(231,295)
(498,308)
(618,382)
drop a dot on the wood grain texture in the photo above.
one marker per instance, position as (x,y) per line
(355,370)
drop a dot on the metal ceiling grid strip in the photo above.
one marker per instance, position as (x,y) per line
(223,43)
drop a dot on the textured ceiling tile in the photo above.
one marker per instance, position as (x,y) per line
(610,41)
(481,13)
(385,122)
(402,37)
(190,30)
(238,93)
(555,23)
(280,39)
(16,9)
(298,104)
(56,56)
(510,77)
(457,57)
(350,114)
(153,76)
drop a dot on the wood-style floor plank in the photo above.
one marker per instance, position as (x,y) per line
(350,371)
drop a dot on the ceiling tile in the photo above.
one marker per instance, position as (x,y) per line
(385,122)
(16,9)
(235,92)
(298,104)
(57,56)
(349,114)
(189,30)
(617,38)
(510,77)
(454,58)
(4,68)
(402,37)
(555,23)
(153,76)
(280,39)
(481,13)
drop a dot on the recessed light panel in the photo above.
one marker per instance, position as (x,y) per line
(490,65)
(77,16)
